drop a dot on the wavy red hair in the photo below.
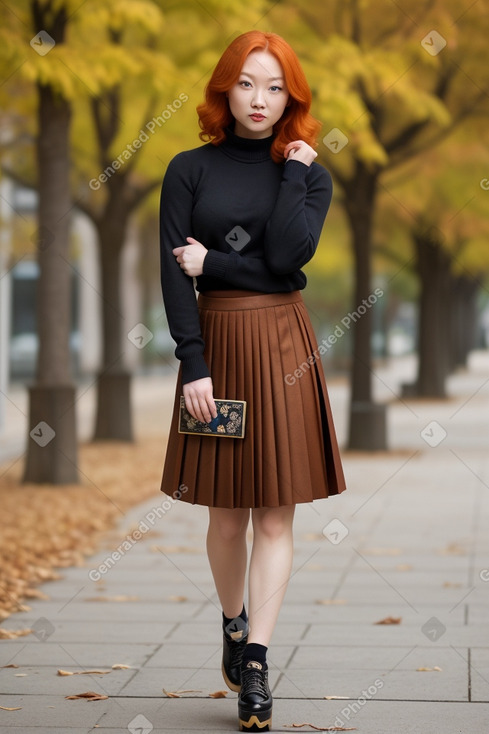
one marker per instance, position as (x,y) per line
(296,122)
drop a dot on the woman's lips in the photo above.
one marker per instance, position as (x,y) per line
(257,117)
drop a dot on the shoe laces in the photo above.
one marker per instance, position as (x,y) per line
(254,680)
(236,650)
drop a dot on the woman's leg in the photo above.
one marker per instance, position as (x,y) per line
(226,549)
(270,566)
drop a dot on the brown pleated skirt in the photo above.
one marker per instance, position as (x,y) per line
(260,347)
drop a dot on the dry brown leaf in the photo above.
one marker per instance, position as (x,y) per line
(120,666)
(178,694)
(174,549)
(177,598)
(82,672)
(323,728)
(389,620)
(12,634)
(328,602)
(435,669)
(35,594)
(452,549)
(10,708)
(88,695)
(218,694)
(10,665)
(116,597)
(451,585)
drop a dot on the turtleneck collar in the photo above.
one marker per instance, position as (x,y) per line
(246,150)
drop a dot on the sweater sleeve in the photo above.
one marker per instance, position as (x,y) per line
(241,271)
(178,288)
(293,230)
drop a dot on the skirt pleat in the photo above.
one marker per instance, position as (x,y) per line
(254,345)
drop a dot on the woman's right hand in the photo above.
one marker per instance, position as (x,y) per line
(199,400)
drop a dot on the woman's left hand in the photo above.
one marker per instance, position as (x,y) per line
(298,150)
(191,257)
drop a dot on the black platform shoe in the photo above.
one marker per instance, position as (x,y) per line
(233,645)
(255,700)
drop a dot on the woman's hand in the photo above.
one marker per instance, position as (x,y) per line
(191,257)
(298,150)
(198,399)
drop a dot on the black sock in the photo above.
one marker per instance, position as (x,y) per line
(236,627)
(256,652)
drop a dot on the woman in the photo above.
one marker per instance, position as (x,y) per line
(243,214)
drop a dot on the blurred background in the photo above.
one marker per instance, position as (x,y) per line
(98,96)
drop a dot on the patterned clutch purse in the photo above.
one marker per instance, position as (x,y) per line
(229,422)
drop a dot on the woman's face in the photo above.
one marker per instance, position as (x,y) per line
(259,97)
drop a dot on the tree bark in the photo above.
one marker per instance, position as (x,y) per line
(52,447)
(367,426)
(464,319)
(433,267)
(114,415)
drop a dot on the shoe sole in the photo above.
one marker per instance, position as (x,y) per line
(257,722)
(232,686)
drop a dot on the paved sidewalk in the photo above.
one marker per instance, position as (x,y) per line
(408,540)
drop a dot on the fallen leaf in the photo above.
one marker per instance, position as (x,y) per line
(435,669)
(452,549)
(328,602)
(389,620)
(452,585)
(12,634)
(20,675)
(10,665)
(120,666)
(89,695)
(83,672)
(322,728)
(35,594)
(10,708)
(174,549)
(218,694)
(117,597)
(178,694)
(177,598)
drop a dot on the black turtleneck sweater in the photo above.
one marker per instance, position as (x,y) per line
(259,220)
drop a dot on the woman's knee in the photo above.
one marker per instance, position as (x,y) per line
(273,522)
(228,524)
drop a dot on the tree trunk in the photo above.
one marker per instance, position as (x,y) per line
(433,268)
(114,416)
(464,319)
(367,428)
(52,448)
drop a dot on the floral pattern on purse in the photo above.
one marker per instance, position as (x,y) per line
(229,422)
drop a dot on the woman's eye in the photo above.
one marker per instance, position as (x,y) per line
(244,83)
(276,89)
